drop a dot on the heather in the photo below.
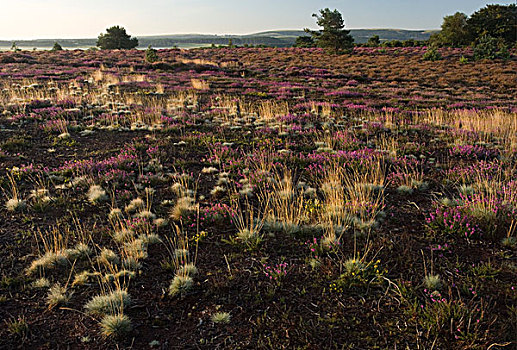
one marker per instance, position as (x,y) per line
(257,198)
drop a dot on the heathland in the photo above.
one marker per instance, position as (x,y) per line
(258,198)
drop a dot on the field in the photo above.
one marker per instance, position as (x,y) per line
(257,198)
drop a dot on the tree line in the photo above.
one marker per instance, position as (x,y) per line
(493,27)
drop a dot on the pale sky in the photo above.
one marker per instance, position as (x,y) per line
(61,19)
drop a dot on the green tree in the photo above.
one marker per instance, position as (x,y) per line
(116,38)
(409,43)
(14,47)
(333,37)
(454,31)
(304,41)
(497,21)
(374,41)
(57,47)
(151,55)
(490,48)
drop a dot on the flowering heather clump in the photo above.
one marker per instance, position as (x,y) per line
(55,126)
(452,221)
(474,152)
(276,272)
(319,247)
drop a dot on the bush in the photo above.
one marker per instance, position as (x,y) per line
(57,47)
(432,54)
(151,55)
(490,48)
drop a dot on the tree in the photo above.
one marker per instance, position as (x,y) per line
(333,37)
(374,41)
(497,21)
(57,47)
(304,41)
(14,47)
(490,48)
(454,31)
(116,38)
(151,55)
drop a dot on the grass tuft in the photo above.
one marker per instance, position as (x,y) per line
(115,326)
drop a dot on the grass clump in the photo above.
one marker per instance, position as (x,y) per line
(187,270)
(405,190)
(15,204)
(183,207)
(109,304)
(115,326)
(48,261)
(57,295)
(221,318)
(18,327)
(96,194)
(108,257)
(432,282)
(180,285)
(41,283)
(134,205)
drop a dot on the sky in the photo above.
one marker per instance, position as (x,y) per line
(63,19)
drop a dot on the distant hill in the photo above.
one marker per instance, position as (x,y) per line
(277,38)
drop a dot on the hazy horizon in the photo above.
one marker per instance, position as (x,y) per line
(74,19)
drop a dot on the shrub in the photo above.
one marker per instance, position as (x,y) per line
(452,221)
(490,48)
(432,54)
(151,55)
(57,47)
